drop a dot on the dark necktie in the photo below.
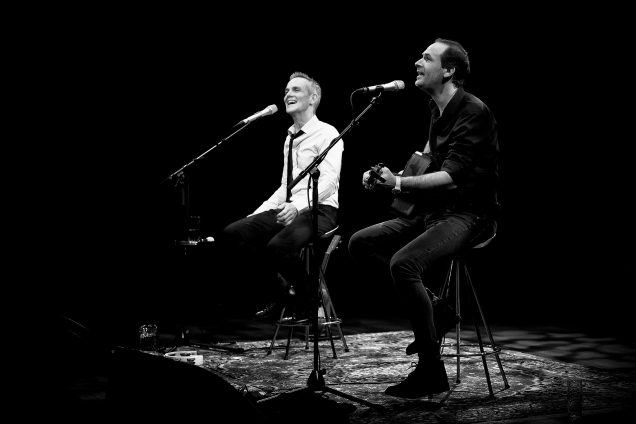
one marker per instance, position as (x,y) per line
(290,163)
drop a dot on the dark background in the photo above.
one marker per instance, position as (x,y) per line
(122,99)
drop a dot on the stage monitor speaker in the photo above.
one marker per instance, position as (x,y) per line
(147,386)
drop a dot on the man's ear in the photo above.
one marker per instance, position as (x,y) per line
(448,73)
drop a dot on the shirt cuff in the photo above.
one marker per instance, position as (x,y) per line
(398,184)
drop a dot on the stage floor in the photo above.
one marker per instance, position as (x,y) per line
(537,362)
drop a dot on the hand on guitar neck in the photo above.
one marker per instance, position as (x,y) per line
(404,203)
(373,178)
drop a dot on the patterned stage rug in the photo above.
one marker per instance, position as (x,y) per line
(538,386)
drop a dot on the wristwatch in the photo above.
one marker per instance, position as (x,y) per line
(398,185)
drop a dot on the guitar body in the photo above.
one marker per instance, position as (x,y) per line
(406,204)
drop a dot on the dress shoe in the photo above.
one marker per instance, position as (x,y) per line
(432,351)
(428,378)
(270,310)
(297,313)
(295,319)
(283,299)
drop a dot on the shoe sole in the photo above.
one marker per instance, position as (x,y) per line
(418,394)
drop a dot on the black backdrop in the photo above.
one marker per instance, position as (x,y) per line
(129,97)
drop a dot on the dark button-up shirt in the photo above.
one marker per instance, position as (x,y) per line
(464,142)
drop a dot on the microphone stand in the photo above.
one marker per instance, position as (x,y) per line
(316,381)
(180,180)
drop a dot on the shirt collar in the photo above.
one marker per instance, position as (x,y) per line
(451,107)
(307,128)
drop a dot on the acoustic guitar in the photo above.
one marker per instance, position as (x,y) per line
(405,204)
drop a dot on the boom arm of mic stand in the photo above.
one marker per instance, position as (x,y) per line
(321,156)
(179,171)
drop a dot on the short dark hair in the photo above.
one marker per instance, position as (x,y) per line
(313,84)
(455,56)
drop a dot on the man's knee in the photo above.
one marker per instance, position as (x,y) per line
(358,246)
(281,252)
(405,268)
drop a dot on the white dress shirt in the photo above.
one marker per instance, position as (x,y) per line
(316,138)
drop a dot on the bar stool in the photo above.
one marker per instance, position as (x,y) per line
(327,316)
(458,268)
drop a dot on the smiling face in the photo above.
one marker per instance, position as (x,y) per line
(430,74)
(298,96)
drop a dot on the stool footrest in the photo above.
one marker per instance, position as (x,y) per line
(488,350)
(321,322)
(324,337)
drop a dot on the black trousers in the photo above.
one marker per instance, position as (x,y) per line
(259,239)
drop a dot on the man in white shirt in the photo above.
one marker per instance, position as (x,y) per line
(282,225)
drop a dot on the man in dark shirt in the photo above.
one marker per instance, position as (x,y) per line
(454,198)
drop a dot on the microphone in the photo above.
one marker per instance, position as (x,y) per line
(269,110)
(391,86)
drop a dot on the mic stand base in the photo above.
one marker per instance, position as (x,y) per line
(182,340)
(316,383)
(221,346)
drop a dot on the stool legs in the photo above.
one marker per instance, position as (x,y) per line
(495,348)
(271,346)
(289,335)
(459,268)
(458,307)
(331,318)
(326,305)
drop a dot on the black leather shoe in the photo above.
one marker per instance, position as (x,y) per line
(427,379)
(413,347)
(295,319)
(268,311)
